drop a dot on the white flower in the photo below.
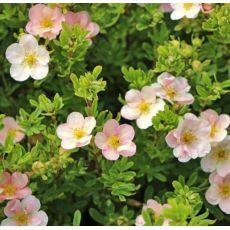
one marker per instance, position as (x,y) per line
(76,132)
(142,106)
(188,10)
(28,59)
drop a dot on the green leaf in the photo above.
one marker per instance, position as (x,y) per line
(77,218)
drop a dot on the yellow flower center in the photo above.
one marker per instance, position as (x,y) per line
(187,137)
(221,155)
(79,133)
(224,190)
(213,131)
(46,23)
(22,218)
(114,141)
(144,107)
(30,59)
(9,190)
(12,132)
(188,6)
(170,92)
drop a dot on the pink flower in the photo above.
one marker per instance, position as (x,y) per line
(76,132)
(190,138)
(83,19)
(44,21)
(11,128)
(157,209)
(207,8)
(173,89)
(166,7)
(24,213)
(218,159)
(116,140)
(219,192)
(142,106)
(218,124)
(13,186)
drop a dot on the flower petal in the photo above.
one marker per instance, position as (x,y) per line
(126,132)
(69,143)
(110,127)
(39,71)
(129,112)
(19,180)
(38,219)
(148,94)
(100,140)
(28,42)
(75,120)
(64,131)
(19,72)
(43,55)
(31,204)
(208,164)
(12,208)
(15,54)
(225,205)
(89,124)
(110,154)
(9,222)
(212,195)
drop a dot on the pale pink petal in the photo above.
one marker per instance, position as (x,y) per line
(127,150)
(35,12)
(9,222)
(100,140)
(38,219)
(212,195)
(165,79)
(89,124)
(31,204)
(19,136)
(93,29)
(110,154)
(130,113)
(223,169)
(139,221)
(75,120)
(133,96)
(23,193)
(64,131)
(223,122)
(148,94)
(208,163)
(111,127)
(181,154)
(171,140)
(69,143)
(126,132)
(83,141)
(185,99)
(19,180)
(12,208)
(214,178)
(210,115)
(225,205)
(5,178)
